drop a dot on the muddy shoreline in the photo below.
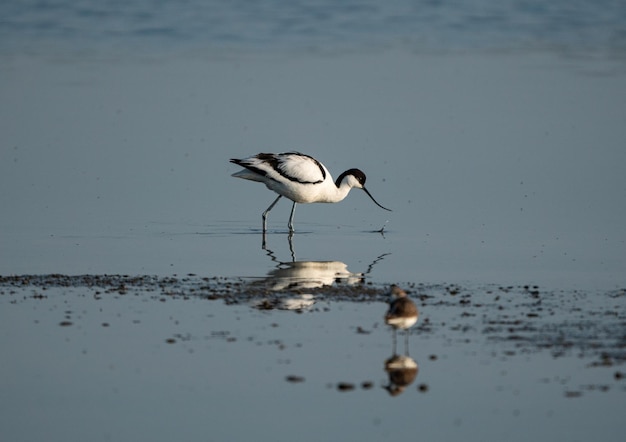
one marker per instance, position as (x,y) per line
(196,350)
(525,319)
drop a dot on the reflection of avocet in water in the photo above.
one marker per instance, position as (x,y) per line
(402,314)
(311,274)
(299,276)
(303,275)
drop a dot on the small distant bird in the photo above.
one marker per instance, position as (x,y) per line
(300,178)
(402,314)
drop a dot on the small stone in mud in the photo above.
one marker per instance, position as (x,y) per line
(573,394)
(422,388)
(294,379)
(105,324)
(619,375)
(265,305)
(345,386)
(170,341)
(366,385)
(65,323)
(432,357)
(360,330)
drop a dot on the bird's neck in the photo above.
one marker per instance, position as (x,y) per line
(334,193)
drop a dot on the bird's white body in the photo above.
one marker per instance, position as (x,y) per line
(401,322)
(300,178)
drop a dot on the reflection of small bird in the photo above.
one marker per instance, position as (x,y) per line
(299,177)
(402,314)
(402,371)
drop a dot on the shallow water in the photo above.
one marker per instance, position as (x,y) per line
(499,168)
(498,141)
(114,358)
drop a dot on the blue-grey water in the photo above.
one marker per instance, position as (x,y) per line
(154,25)
(494,130)
(501,169)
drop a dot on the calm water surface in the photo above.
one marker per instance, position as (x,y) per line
(99,363)
(494,131)
(503,169)
(588,25)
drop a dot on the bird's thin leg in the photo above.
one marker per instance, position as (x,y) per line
(268,211)
(395,331)
(406,342)
(290,224)
(291,249)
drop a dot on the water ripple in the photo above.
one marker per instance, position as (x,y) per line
(322,24)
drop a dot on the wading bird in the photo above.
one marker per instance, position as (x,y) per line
(300,178)
(402,314)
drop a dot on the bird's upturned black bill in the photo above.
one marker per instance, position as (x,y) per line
(376,202)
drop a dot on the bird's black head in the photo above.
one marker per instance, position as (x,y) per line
(356,173)
(360,177)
